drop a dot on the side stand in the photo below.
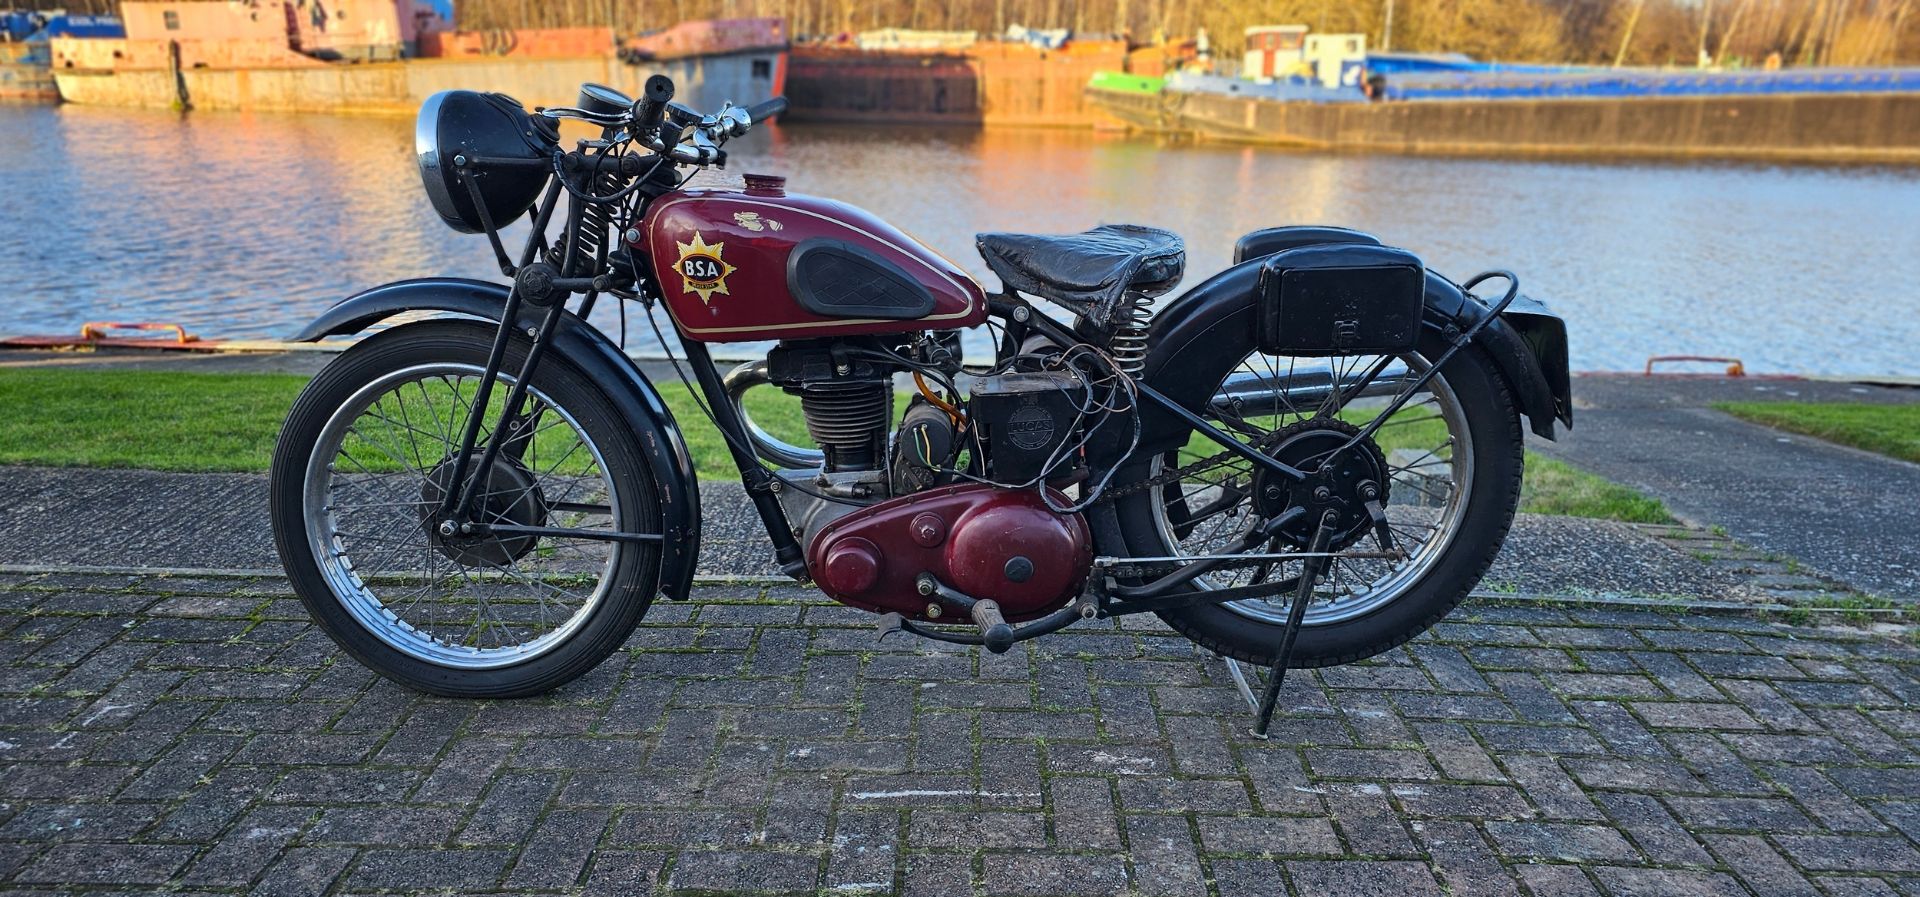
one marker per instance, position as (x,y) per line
(1315,564)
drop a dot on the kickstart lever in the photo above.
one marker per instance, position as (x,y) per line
(985,612)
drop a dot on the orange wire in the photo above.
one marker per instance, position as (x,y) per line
(959,420)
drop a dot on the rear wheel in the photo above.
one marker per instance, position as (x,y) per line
(1447,467)
(364,460)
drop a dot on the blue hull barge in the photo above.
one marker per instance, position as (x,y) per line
(1451,104)
(26,65)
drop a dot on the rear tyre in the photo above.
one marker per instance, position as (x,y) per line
(362,461)
(1477,489)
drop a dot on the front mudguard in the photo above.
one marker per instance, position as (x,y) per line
(639,403)
(1198,339)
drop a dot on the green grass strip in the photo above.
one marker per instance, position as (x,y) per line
(1552,486)
(1891,430)
(178,421)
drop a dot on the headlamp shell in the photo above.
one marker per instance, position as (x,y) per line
(505,150)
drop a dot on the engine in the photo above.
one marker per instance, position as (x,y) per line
(952,491)
(846,397)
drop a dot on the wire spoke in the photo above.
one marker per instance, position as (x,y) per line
(463,598)
(1202,514)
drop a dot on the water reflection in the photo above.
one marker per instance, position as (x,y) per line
(247,225)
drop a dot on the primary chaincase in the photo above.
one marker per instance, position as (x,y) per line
(985,541)
(1343,485)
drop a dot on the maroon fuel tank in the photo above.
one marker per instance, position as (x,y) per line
(985,541)
(762,264)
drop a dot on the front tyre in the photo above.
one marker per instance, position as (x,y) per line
(363,461)
(1452,459)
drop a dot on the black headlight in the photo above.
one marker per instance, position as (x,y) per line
(506,150)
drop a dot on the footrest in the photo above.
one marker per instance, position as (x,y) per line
(994,631)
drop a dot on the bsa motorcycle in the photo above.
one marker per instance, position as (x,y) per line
(1306,459)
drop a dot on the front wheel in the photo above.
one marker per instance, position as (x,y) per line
(1446,467)
(364,464)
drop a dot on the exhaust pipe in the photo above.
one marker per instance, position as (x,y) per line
(769,447)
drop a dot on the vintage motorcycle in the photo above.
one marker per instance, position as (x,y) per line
(1305,459)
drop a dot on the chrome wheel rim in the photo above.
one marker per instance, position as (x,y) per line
(1439,476)
(365,507)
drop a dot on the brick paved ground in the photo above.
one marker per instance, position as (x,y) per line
(168,735)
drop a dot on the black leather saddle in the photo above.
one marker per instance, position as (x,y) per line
(1091,271)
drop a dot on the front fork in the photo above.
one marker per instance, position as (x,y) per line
(511,428)
(458,506)
(543,286)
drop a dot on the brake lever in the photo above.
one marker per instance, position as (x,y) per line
(682,115)
(736,119)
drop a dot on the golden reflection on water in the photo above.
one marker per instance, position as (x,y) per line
(249,224)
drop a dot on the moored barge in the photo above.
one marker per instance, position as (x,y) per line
(386,56)
(1404,103)
(26,59)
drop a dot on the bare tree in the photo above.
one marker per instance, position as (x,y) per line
(1626,32)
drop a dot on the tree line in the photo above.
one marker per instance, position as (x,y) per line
(1630,32)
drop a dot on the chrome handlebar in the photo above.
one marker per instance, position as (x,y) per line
(603,119)
(702,140)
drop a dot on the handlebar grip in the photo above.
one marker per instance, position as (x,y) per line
(653,103)
(760,112)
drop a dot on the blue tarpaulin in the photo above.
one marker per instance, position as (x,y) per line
(1454,63)
(17,25)
(1613,83)
(84,26)
(1453,76)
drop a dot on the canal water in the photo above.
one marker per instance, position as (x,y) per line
(239,225)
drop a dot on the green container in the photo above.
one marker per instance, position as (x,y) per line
(1125,83)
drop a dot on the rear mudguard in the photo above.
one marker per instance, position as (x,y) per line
(1198,338)
(639,403)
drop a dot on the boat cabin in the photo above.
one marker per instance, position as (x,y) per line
(1274,51)
(1337,60)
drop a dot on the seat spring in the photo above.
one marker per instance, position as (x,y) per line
(1128,345)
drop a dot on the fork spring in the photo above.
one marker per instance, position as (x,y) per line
(593,229)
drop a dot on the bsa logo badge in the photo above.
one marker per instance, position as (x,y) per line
(702,269)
